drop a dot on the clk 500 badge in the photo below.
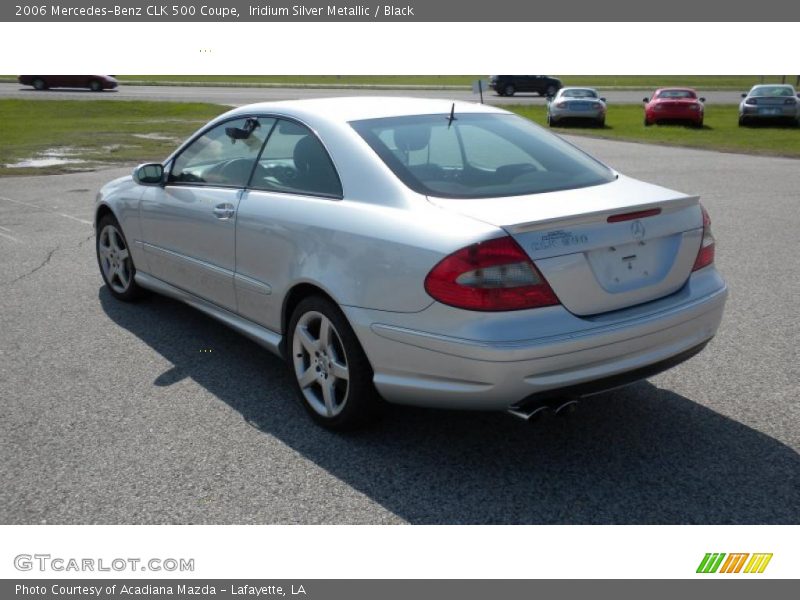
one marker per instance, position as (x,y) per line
(559,238)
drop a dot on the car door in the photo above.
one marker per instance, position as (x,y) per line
(293,176)
(189,224)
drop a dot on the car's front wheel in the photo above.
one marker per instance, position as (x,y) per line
(331,374)
(114,258)
(95,85)
(39,84)
(509,90)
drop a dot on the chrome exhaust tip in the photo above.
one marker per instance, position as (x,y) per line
(567,408)
(559,406)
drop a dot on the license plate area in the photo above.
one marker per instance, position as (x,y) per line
(633,265)
(769,111)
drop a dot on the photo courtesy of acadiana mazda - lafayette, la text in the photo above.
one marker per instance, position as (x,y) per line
(418,251)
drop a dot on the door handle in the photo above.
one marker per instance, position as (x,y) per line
(224,211)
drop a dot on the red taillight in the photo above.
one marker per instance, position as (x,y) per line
(705,255)
(490,276)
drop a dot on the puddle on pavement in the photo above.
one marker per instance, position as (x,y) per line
(155,136)
(52,157)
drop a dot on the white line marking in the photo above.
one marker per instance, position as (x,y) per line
(9,237)
(6,229)
(50,210)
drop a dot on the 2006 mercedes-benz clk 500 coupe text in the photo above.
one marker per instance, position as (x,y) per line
(419,251)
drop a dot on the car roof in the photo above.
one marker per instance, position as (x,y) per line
(346,109)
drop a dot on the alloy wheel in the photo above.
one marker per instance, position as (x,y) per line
(114,259)
(320,364)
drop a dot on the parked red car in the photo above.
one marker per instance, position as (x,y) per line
(674,104)
(96,83)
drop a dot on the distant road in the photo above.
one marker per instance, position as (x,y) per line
(246,95)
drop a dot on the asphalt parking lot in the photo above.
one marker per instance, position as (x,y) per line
(238,96)
(117,413)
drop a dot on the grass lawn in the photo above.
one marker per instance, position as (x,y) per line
(721,131)
(100,132)
(113,132)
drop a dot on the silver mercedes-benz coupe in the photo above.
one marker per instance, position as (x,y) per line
(417,251)
(579,104)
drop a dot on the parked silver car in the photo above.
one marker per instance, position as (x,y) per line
(574,103)
(770,102)
(426,252)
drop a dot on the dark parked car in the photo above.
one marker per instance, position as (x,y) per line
(508,85)
(96,83)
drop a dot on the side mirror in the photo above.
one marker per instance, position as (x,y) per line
(603,100)
(646,100)
(149,174)
(798,94)
(744,95)
(702,99)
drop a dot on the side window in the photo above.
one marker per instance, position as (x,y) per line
(295,161)
(223,156)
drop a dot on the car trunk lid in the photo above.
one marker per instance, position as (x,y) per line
(601,248)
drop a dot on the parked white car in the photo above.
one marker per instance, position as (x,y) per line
(578,104)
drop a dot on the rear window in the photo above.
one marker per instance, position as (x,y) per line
(579,94)
(677,94)
(772,90)
(478,155)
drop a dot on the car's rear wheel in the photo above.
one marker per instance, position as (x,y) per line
(331,373)
(114,259)
(39,84)
(95,85)
(550,91)
(647,122)
(509,90)
(742,122)
(601,123)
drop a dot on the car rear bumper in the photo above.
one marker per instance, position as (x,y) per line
(761,115)
(558,114)
(433,368)
(675,115)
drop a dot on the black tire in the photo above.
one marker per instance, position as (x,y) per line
(95,85)
(601,123)
(356,401)
(509,89)
(551,90)
(647,123)
(121,287)
(39,84)
(742,122)
(698,124)
(499,92)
